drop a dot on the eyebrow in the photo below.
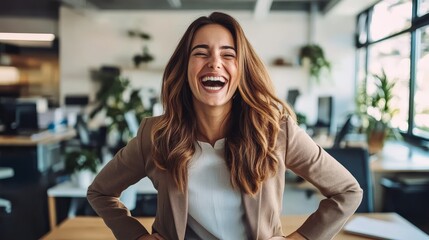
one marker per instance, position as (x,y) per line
(205,46)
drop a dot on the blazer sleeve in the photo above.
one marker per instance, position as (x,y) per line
(342,191)
(126,168)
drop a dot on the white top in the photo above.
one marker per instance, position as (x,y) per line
(215,209)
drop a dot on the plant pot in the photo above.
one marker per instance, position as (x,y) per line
(82,178)
(376,141)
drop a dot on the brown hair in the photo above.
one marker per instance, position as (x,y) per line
(255,118)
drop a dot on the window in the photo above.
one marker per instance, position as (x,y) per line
(389,17)
(423,7)
(421,103)
(393,57)
(398,44)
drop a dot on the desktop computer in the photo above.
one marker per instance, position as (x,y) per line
(18,118)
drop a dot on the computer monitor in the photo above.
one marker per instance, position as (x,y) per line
(324,112)
(76,100)
(18,116)
(7,114)
(26,116)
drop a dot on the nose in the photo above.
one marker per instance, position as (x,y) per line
(214,62)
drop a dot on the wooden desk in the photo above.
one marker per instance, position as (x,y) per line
(67,189)
(93,228)
(45,137)
(399,156)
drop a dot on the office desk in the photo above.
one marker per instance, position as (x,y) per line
(397,157)
(400,157)
(93,228)
(44,137)
(67,189)
(32,160)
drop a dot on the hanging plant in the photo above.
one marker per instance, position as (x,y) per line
(317,59)
(145,56)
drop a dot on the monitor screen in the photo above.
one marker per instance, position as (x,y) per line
(26,116)
(16,116)
(324,112)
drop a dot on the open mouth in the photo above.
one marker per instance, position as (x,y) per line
(213,83)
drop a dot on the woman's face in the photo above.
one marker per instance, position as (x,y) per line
(212,68)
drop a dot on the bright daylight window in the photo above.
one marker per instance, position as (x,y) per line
(389,17)
(421,103)
(393,57)
(423,7)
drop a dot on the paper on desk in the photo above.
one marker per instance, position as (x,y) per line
(384,229)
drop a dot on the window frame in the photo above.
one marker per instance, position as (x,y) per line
(417,22)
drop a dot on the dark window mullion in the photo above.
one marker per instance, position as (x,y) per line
(413,63)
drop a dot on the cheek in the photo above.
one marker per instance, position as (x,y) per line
(193,69)
(233,71)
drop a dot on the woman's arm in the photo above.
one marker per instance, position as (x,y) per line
(125,169)
(343,193)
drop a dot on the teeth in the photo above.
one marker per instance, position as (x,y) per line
(212,78)
(213,88)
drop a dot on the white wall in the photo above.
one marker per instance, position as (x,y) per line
(90,39)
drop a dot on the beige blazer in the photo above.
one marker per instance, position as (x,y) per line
(295,148)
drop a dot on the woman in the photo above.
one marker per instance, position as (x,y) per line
(218,155)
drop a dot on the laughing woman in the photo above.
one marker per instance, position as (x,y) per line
(219,153)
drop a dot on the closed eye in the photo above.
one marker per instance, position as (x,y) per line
(229,55)
(200,54)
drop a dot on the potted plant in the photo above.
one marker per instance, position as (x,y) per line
(377,112)
(82,165)
(116,97)
(316,57)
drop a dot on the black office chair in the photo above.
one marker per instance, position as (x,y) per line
(6,172)
(93,141)
(356,160)
(291,97)
(345,129)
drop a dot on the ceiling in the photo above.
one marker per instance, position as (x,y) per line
(49,8)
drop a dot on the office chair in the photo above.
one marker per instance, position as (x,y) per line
(356,160)
(93,141)
(346,128)
(291,97)
(6,173)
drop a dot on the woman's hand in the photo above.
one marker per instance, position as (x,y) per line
(154,236)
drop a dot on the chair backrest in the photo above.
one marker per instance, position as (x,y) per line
(346,128)
(82,131)
(291,97)
(356,160)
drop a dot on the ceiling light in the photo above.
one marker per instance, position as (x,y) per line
(27,36)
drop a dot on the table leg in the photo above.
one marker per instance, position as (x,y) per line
(52,213)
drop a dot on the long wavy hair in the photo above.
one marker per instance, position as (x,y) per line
(254,120)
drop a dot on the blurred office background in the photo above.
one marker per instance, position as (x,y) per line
(91,61)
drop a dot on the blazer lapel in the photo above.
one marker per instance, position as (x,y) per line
(252,207)
(179,206)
